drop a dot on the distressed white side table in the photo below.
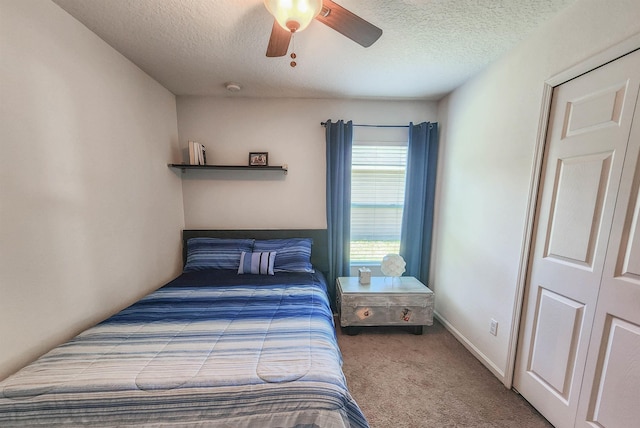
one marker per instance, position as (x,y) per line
(385,301)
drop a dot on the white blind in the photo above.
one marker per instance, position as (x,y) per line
(377,198)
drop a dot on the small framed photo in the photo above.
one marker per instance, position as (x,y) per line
(258,159)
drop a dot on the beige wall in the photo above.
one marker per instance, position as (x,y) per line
(289,129)
(490,128)
(90,215)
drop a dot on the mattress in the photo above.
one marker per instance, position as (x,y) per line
(211,348)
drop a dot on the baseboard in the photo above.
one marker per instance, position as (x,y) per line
(497,372)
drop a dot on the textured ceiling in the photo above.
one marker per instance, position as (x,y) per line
(427,49)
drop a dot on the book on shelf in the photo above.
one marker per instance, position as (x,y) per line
(197,155)
(192,153)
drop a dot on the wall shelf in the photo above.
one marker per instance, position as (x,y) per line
(184,167)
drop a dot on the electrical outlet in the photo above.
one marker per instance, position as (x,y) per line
(494,327)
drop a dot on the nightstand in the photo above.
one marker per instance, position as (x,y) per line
(385,301)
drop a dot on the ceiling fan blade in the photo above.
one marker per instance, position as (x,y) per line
(279,41)
(348,24)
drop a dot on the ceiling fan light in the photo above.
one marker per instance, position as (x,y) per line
(294,15)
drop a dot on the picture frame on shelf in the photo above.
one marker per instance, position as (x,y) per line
(258,159)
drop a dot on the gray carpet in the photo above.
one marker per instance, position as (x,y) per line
(403,380)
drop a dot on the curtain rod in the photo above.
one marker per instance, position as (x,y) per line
(373,126)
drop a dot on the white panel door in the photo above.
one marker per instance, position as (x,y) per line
(611,387)
(589,126)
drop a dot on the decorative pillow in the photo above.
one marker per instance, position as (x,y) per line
(257,263)
(294,254)
(215,253)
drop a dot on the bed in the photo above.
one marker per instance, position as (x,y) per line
(229,343)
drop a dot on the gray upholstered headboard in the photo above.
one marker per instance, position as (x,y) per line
(319,249)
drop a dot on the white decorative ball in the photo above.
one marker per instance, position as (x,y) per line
(393,265)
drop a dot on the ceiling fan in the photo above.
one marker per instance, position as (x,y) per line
(294,15)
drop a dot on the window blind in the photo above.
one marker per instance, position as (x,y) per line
(377,199)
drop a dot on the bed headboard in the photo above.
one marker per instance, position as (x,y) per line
(319,249)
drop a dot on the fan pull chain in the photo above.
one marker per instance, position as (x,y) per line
(293,48)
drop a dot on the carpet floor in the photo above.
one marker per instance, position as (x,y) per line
(404,380)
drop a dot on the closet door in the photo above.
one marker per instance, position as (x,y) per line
(611,385)
(590,122)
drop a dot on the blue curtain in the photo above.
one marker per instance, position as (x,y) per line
(419,199)
(339,141)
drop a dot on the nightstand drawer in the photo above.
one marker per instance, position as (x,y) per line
(361,314)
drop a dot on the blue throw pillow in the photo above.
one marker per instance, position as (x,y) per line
(215,253)
(293,254)
(260,263)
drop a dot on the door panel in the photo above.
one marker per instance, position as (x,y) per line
(617,386)
(586,148)
(611,384)
(555,339)
(595,110)
(629,259)
(582,181)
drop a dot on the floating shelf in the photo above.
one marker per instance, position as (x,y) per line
(183,167)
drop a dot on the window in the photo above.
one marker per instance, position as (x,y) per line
(377,199)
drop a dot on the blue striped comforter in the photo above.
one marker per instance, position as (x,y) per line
(196,352)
